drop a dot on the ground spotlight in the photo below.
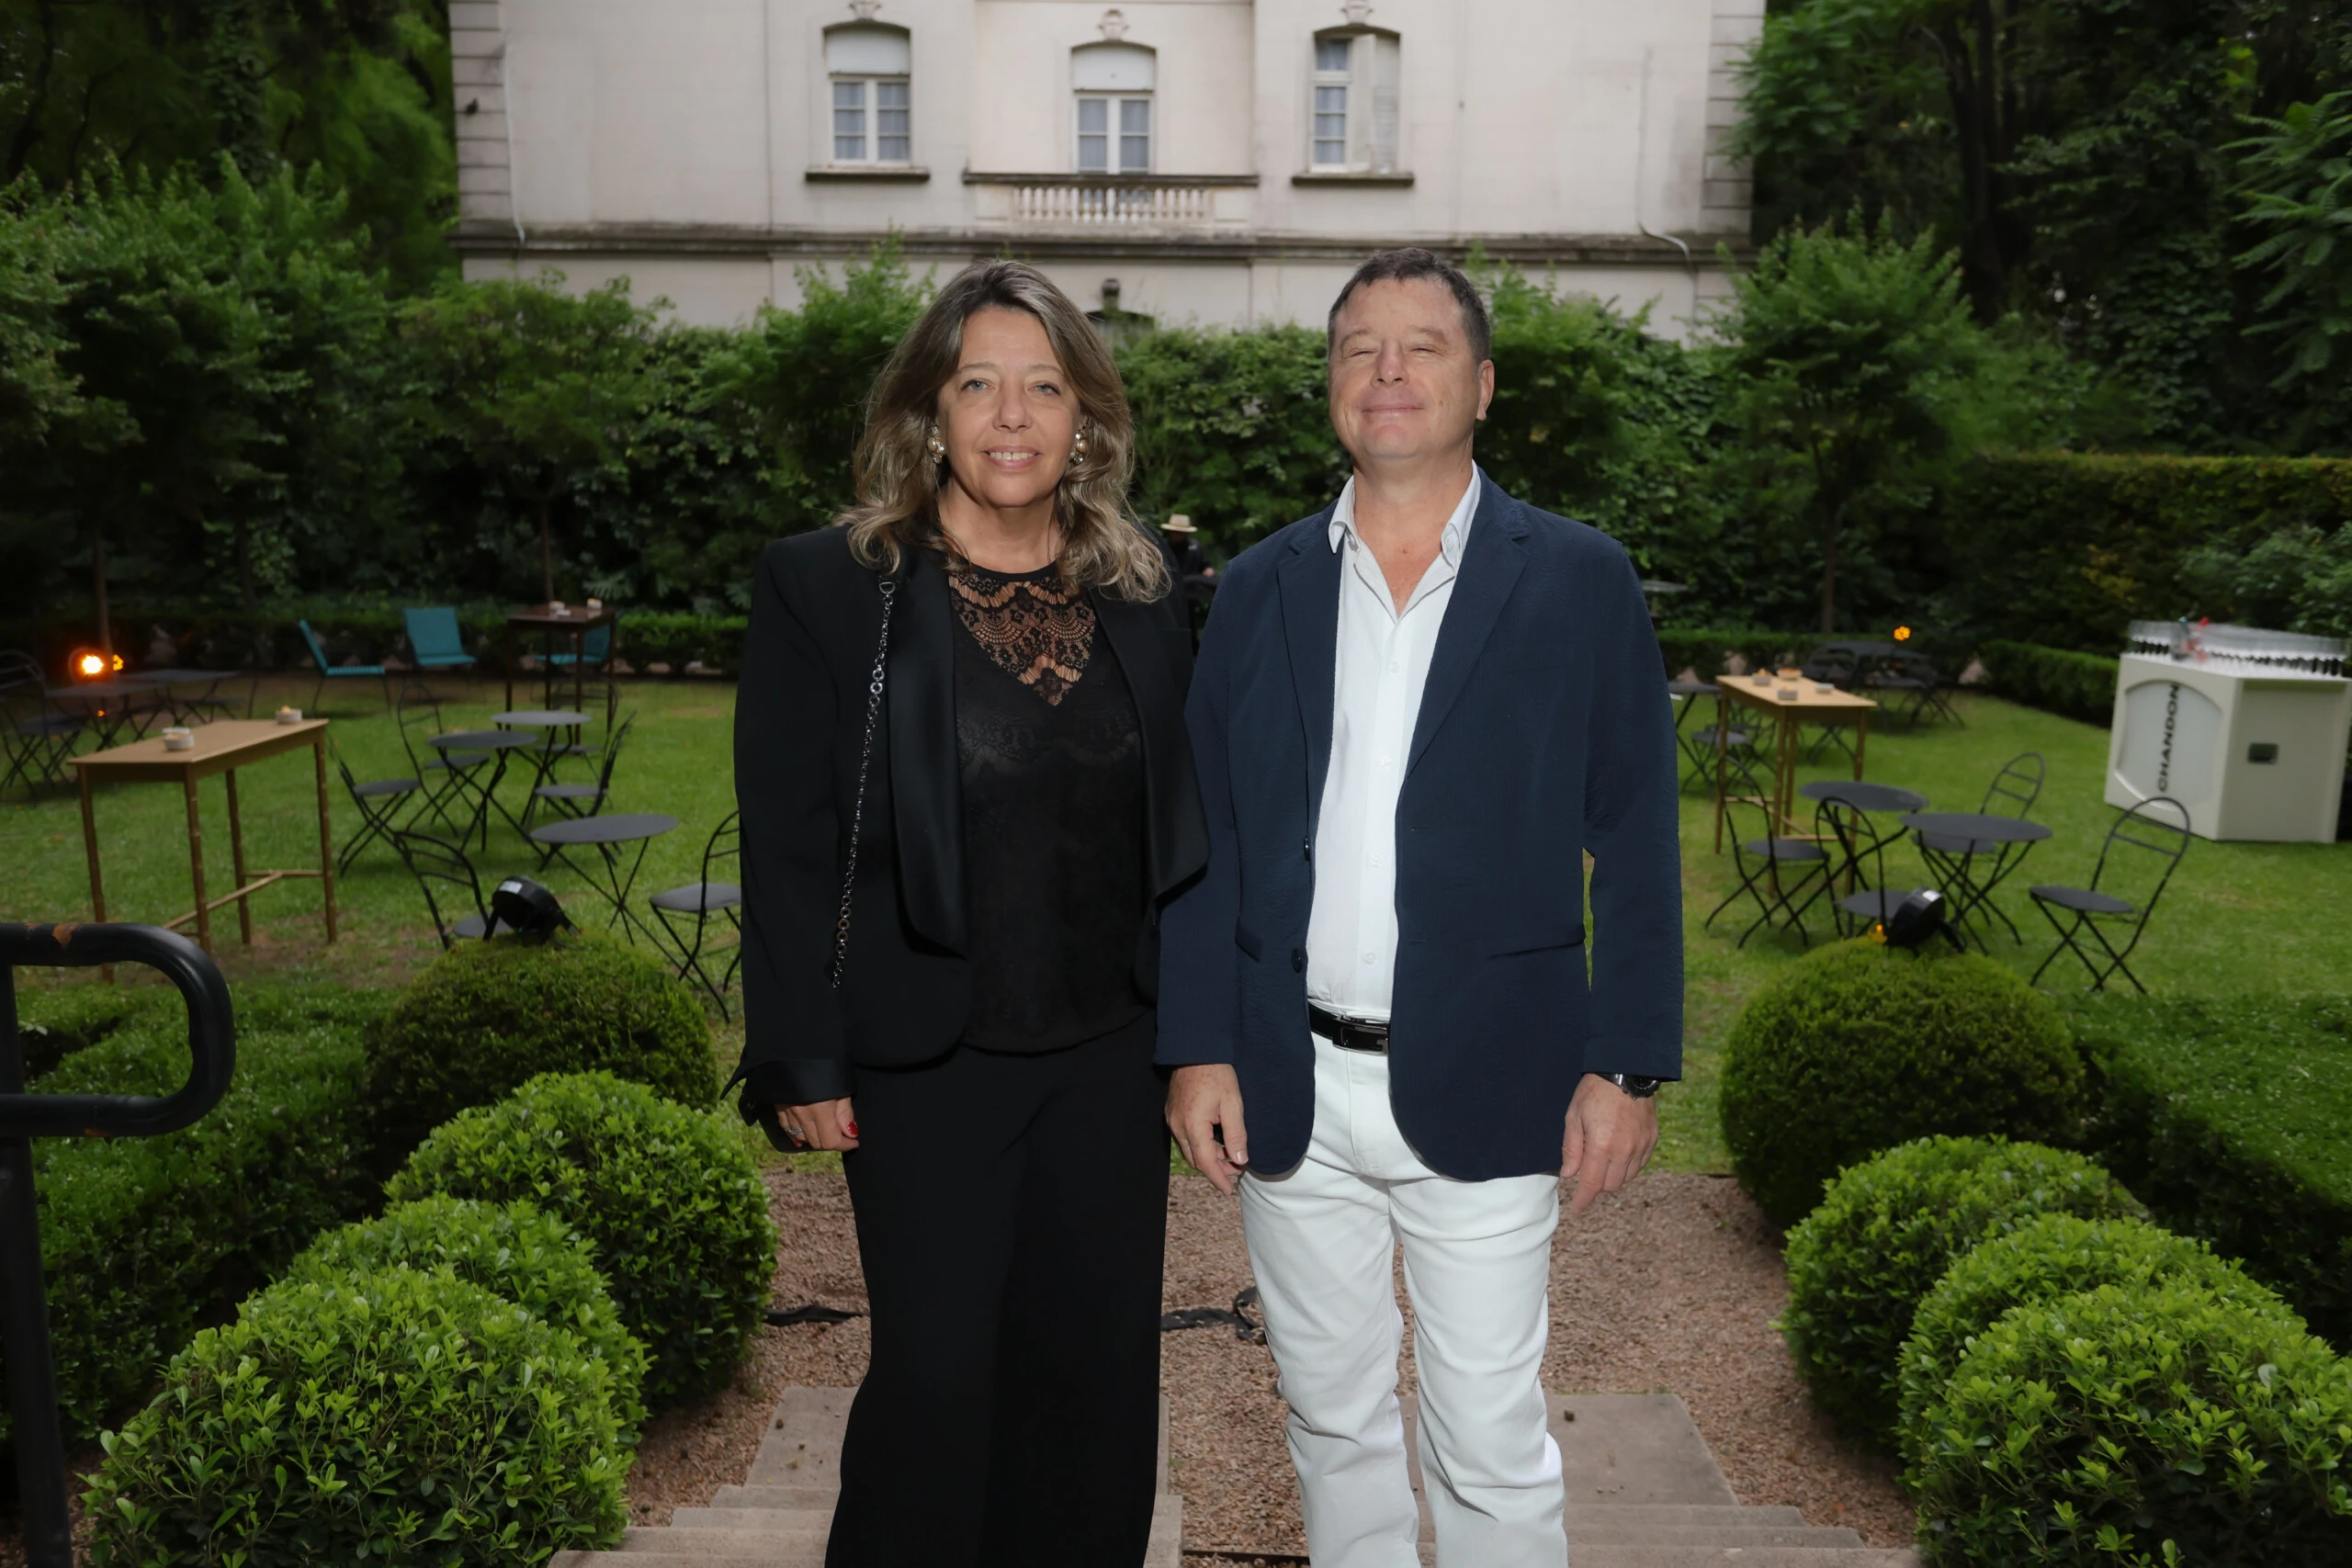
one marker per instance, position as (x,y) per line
(525,908)
(1917,919)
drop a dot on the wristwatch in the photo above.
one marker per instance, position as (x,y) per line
(1633,1083)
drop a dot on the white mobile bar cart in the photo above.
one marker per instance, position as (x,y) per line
(2245,729)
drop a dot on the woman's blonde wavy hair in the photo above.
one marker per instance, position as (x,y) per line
(898,480)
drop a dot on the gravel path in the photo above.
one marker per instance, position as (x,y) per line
(1671,1286)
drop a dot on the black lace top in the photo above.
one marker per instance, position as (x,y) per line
(1053,781)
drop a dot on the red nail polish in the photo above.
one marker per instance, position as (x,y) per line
(853,1129)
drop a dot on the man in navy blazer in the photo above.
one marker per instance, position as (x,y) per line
(1414,713)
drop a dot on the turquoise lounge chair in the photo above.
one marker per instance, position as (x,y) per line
(339,671)
(433,638)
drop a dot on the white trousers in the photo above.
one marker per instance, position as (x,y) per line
(1477,1263)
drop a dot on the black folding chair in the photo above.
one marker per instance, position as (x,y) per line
(1698,742)
(1835,664)
(431,859)
(1916,679)
(2143,828)
(1783,876)
(701,902)
(2012,792)
(379,802)
(1859,865)
(37,734)
(584,799)
(445,776)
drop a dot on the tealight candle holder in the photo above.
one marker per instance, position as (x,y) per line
(555,606)
(179,737)
(289,716)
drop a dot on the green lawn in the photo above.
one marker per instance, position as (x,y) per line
(677,761)
(2268,918)
(2258,918)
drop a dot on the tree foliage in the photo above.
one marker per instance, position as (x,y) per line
(360,88)
(2081,156)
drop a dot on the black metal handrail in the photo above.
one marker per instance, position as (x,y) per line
(24,1300)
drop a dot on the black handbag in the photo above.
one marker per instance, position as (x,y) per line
(765,1117)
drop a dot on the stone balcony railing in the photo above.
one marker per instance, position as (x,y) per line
(1115,202)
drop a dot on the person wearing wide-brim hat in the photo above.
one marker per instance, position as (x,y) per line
(1184,543)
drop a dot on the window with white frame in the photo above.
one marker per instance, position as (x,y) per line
(871,68)
(1114,83)
(1353,94)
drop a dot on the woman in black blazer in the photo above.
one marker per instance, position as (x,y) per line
(953,876)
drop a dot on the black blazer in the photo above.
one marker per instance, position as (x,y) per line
(799,722)
(1542,735)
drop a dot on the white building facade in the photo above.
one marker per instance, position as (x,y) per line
(1211,162)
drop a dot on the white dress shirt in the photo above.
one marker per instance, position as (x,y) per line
(1383,663)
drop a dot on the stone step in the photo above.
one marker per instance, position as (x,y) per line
(1616,1532)
(1586,1556)
(796,1539)
(1584,1519)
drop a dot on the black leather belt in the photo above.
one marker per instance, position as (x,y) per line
(1347,1033)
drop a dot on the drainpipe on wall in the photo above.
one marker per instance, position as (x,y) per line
(1640,180)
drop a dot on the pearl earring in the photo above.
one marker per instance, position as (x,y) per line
(1077,450)
(935,444)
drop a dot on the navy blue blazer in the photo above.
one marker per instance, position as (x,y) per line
(1544,733)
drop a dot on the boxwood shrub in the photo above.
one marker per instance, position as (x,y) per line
(143,1239)
(2056,679)
(2057,1255)
(510,1249)
(54,1022)
(1859,1264)
(488,1016)
(1857,1047)
(2233,1118)
(393,1416)
(2139,1424)
(667,1198)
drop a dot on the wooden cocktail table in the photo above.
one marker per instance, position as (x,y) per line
(222,747)
(1803,706)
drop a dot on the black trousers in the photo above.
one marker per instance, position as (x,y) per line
(1011,1213)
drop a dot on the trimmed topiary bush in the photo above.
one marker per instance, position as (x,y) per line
(2136,1425)
(395,1417)
(1860,1265)
(511,1250)
(144,1240)
(489,1016)
(667,1198)
(1858,1047)
(2231,1117)
(2057,1255)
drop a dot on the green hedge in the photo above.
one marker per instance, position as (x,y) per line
(667,1197)
(1903,1044)
(2056,679)
(509,1250)
(143,1239)
(2069,548)
(1706,652)
(392,1416)
(2057,1255)
(57,1022)
(2233,1118)
(2133,1425)
(1860,1265)
(362,634)
(487,1017)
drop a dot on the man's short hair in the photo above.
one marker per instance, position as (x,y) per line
(1407,263)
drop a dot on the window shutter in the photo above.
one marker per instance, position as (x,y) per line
(1383,115)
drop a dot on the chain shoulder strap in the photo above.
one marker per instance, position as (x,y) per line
(865,766)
